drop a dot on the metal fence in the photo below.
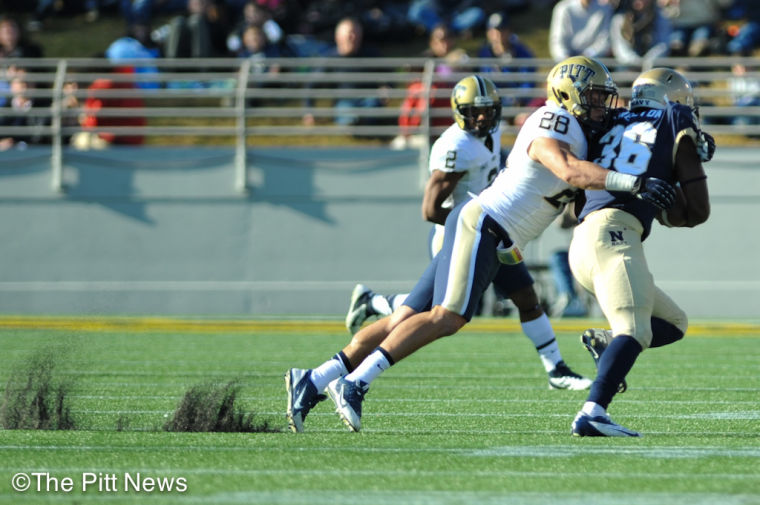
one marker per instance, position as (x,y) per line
(304,100)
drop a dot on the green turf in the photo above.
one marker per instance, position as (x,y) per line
(467,420)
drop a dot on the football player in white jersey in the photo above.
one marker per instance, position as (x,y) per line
(463,161)
(544,168)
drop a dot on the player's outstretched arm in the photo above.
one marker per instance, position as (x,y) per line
(557,157)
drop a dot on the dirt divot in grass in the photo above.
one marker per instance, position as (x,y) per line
(36,397)
(215,408)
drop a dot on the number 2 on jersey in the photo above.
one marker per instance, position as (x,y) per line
(628,149)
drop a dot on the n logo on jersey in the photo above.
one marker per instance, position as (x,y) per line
(616,237)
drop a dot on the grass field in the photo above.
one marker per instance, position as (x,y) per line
(468,420)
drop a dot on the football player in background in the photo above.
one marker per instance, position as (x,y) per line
(463,161)
(658,137)
(544,168)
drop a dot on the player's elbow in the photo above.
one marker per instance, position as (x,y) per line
(697,216)
(427,212)
(434,213)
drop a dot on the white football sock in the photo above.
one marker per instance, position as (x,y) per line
(398,300)
(327,372)
(540,332)
(593,409)
(380,305)
(373,365)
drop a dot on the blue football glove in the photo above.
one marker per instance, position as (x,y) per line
(655,191)
(705,146)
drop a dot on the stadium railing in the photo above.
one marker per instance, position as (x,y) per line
(244,102)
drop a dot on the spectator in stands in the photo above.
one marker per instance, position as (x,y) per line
(199,33)
(745,92)
(694,25)
(258,50)
(96,102)
(136,44)
(748,36)
(255,15)
(69,102)
(580,27)
(463,16)
(502,43)
(257,47)
(639,33)
(13,42)
(441,46)
(349,43)
(18,113)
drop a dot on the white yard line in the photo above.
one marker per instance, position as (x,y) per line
(414,497)
(506,451)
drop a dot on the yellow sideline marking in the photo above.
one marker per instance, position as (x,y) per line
(319,326)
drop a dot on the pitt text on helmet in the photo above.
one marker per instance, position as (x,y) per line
(576,72)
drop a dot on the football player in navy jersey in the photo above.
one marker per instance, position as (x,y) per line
(544,169)
(659,136)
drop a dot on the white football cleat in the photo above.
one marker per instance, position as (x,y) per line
(562,377)
(360,308)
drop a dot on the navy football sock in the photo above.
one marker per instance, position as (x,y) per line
(615,363)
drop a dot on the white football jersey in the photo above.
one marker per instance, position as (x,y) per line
(526,196)
(459,151)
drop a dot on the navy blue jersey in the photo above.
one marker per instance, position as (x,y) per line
(643,142)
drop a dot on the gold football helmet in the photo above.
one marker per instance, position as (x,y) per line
(476,96)
(654,88)
(584,87)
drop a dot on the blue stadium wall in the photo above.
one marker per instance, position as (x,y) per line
(163,231)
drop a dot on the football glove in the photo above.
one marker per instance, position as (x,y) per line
(655,191)
(705,146)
